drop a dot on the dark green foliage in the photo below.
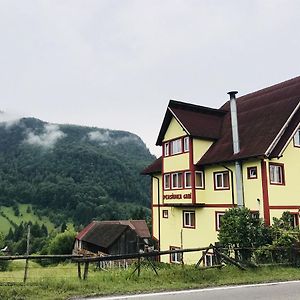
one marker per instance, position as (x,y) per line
(17,239)
(241,229)
(62,243)
(78,178)
(4,264)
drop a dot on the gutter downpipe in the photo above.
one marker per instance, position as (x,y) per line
(236,148)
(158,202)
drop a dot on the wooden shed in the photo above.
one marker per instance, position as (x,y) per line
(113,237)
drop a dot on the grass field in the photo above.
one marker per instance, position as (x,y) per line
(61,282)
(24,216)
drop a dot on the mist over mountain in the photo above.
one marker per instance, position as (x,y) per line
(76,172)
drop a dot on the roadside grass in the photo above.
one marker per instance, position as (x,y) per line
(61,282)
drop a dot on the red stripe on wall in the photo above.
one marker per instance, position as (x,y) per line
(205,205)
(192,168)
(265,192)
(285,207)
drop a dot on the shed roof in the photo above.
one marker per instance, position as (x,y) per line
(105,233)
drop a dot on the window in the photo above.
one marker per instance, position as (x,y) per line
(199,179)
(166,181)
(177,180)
(252,172)
(189,219)
(276,174)
(167,148)
(165,214)
(255,214)
(186,144)
(176,146)
(297,138)
(209,259)
(175,258)
(187,179)
(219,216)
(221,180)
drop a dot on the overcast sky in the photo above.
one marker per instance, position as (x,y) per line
(116,63)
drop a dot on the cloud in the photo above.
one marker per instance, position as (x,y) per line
(47,139)
(106,137)
(9,119)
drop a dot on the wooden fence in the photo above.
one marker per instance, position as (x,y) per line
(221,255)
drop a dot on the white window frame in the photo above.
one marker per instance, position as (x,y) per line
(276,174)
(219,214)
(176,146)
(188,222)
(176,176)
(222,174)
(202,179)
(167,175)
(208,260)
(186,144)
(185,179)
(175,258)
(166,149)
(250,174)
(297,138)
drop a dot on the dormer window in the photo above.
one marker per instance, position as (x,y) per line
(297,138)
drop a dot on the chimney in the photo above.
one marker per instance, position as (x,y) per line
(234,122)
(236,149)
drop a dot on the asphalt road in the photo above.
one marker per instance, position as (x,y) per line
(289,290)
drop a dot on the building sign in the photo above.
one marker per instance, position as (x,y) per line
(178,196)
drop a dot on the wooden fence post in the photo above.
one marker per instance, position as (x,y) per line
(27,253)
(86,270)
(79,270)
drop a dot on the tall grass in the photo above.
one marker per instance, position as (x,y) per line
(61,282)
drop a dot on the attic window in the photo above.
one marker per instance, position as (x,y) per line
(166,149)
(176,147)
(297,138)
(186,144)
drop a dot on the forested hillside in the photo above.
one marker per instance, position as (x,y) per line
(75,172)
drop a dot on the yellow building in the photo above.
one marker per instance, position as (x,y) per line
(196,178)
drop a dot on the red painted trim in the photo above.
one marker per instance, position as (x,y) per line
(282,169)
(214,178)
(205,205)
(220,205)
(248,172)
(192,168)
(265,192)
(152,205)
(285,207)
(181,138)
(189,211)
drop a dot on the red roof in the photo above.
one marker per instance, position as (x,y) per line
(155,167)
(262,117)
(197,121)
(98,227)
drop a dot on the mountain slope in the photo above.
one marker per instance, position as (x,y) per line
(72,171)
